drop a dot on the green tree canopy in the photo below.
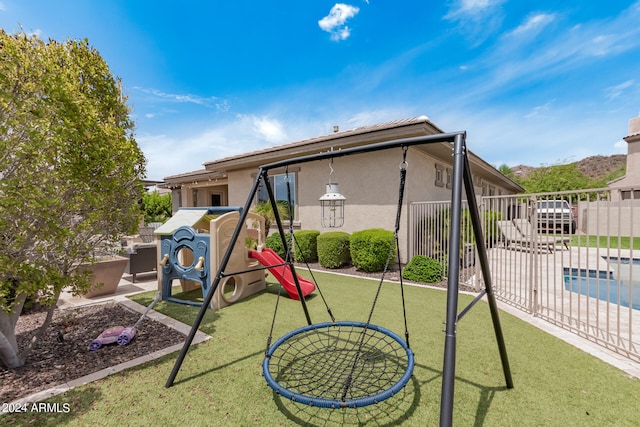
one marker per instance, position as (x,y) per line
(156,206)
(558,177)
(70,170)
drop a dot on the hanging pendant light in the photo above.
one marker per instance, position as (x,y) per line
(332,204)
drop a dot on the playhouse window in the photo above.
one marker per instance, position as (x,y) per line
(279,186)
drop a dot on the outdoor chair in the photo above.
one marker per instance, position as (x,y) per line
(527,230)
(513,238)
(143,257)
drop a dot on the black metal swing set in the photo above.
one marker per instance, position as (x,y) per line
(353,364)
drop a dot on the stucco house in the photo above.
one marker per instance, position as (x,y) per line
(632,178)
(369,181)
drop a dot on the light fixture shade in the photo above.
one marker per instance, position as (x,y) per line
(332,203)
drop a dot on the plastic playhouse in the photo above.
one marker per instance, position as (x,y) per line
(192,243)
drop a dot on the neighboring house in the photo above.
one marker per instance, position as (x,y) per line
(369,181)
(619,213)
(632,177)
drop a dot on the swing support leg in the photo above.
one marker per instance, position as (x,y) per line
(462,174)
(285,244)
(449,366)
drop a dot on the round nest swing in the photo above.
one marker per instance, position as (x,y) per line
(337,365)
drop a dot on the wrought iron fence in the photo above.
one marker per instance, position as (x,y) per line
(570,258)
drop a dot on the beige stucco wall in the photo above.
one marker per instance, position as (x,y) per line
(369,181)
(239,185)
(616,218)
(632,174)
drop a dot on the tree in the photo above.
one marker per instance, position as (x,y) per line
(506,171)
(70,173)
(265,210)
(156,207)
(553,178)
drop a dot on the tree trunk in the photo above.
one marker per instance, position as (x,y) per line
(44,326)
(8,345)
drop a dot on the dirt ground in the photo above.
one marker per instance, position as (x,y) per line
(63,354)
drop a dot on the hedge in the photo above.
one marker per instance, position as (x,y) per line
(333,249)
(423,269)
(370,249)
(306,246)
(274,241)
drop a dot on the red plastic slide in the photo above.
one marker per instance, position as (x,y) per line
(282,273)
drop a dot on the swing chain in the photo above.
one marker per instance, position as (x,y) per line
(404,164)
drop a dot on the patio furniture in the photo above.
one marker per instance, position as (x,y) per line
(526,229)
(515,238)
(143,257)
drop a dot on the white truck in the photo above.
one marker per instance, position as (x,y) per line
(555,216)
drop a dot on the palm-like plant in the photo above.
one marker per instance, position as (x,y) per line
(265,210)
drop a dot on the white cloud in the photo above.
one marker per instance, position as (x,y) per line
(335,22)
(617,90)
(467,8)
(557,51)
(2,7)
(180,152)
(534,24)
(538,110)
(269,129)
(212,101)
(477,19)
(621,147)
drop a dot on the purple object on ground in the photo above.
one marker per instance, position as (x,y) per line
(107,337)
(127,335)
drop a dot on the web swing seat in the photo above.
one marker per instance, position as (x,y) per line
(338,365)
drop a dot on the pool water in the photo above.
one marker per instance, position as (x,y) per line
(607,286)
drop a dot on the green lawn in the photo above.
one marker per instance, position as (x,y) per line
(614,242)
(221,382)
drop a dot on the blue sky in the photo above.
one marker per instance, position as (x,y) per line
(531,82)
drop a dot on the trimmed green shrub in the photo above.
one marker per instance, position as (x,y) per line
(306,247)
(274,242)
(333,249)
(370,249)
(423,269)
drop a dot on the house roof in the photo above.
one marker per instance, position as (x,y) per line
(403,128)
(397,129)
(632,138)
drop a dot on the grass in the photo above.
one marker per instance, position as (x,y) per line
(221,383)
(614,242)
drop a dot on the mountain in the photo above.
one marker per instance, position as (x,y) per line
(594,167)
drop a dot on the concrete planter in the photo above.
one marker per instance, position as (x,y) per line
(106,276)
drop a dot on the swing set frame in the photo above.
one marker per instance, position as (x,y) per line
(461,180)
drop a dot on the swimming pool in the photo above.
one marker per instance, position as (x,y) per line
(627,269)
(607,285)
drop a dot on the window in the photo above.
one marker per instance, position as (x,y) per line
(279,185)
(439,176)
(449,175)
(216,199)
